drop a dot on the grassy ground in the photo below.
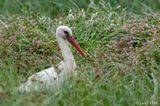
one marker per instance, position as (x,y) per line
(123,57)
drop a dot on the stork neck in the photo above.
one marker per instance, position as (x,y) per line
(67,54)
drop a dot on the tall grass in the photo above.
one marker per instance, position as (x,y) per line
(47,7)
(123,57)
(58,7)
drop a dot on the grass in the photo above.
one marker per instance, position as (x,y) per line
(123,57)
(52,8)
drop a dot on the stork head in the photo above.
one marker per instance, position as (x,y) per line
(65,33)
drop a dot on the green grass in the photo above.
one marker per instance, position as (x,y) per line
(123,57)
(53,8)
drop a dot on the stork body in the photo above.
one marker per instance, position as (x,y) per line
(52,77)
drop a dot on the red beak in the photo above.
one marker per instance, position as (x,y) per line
(76,45)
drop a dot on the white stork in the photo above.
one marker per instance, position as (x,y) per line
(52,77)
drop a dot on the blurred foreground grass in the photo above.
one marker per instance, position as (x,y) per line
(124,57)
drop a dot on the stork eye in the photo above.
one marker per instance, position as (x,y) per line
(67,34)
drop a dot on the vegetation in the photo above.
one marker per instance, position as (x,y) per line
(58,7)
(121,40)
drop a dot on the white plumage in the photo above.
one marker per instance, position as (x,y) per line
(53,77)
